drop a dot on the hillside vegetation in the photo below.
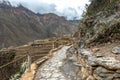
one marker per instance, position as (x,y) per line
(102,5)
(101,22)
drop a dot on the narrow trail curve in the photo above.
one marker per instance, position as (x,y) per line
(50,70)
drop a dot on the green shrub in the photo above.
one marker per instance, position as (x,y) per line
(100,5)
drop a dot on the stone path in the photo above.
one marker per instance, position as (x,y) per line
(50,70)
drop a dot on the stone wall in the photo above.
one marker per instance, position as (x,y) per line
(98,67)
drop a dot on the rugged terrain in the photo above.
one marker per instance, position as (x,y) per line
(101,23)
(99,58)
(96,63)
(92,55)
(18,25)
(12,58)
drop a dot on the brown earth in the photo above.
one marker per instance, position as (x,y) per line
(105,49)
(19,25)
(36,50)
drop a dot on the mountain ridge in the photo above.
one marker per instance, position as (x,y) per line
(19,25)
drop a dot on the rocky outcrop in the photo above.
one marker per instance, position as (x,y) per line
(102,27)
(116,50)
(104,67)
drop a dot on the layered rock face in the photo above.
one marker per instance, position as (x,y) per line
(102,27)
(99,64)
(101,24)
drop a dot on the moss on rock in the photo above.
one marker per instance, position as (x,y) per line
(102,27)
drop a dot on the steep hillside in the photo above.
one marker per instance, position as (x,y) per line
(102,5)
(101,22)
(76,22)
(56,26)
(18,25)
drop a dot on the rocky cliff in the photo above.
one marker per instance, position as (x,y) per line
(101,22)
(100,62)
(100,30)
(102,27)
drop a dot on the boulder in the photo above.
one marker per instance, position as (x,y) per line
(116,50)
(100,68)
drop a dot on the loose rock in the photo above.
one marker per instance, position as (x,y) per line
(116,50)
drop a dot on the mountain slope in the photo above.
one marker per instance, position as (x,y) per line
(19,25)
(101,24)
